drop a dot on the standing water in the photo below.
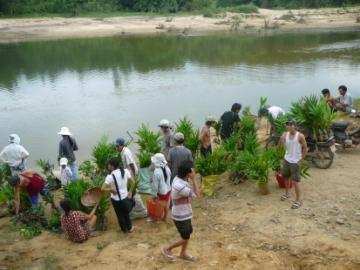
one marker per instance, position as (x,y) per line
(111,85)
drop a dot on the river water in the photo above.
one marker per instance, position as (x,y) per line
(111,85)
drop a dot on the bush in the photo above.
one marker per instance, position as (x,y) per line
(215,163)
(250,8)
(191,134)
(148,140)
(102,153)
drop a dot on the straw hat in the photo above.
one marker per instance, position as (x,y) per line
(210,118)
(65,131)
(92,196)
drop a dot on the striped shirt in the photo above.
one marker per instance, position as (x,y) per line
(181,195)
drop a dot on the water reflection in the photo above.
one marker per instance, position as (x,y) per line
(111,85)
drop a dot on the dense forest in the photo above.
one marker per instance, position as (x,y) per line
(74,7)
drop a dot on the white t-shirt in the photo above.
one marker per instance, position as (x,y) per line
(13,154)
(275,111)
(128,158)
(122,183)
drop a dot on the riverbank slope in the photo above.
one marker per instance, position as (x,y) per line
(15,30)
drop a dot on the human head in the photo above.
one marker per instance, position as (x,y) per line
(113,164)
(179,138)
(210,120)
(342,90)
(14,138)
(290,126)
(65,131)
(63,162)
(120,144)
(186,170)
(325,92)
(65,205)
(263,112)
(159,160)
(164,125)
(236,107)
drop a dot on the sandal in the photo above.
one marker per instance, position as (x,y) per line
(296,205)
(168,255)
(188,258)
(285,197)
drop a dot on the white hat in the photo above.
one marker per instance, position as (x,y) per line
(210,118)
(14,138)
(164,123)
(63,161)
(159,160)
(179,137)
(65,131)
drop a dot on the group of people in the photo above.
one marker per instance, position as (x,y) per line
(173,174)
(342,103)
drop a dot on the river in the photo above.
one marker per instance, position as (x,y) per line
(111,85)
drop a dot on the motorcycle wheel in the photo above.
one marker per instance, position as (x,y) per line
(323,158)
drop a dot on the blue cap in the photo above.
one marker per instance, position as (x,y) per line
(120,142)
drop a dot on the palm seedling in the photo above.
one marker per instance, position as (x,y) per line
(191,134)
(148,140)
(47,169)
(144,158)
(5,173)
(213,164)
(102,153)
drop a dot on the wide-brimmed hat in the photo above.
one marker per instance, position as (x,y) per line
(63,161)
(14,138)
(164,123)
(65,131)
(159,160)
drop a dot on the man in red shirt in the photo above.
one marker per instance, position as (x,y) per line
(33,183)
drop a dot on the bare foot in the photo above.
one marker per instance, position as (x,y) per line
(188,257)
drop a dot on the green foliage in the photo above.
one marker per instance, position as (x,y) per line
(31,222)
(47,169)
(73,192)
(102,153)
(29,232)
(5,173)
(279,123)
(275,156)
(251,144)
(87,169)
(7,196)
(54,221)
(313,114)
(247,126)
(215,163)
(144,158)
(191,134)
(148,140)
(248,8)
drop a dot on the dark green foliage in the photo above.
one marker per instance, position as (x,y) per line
(144,158)
(54,222)
(31,222)
(88,169)
(5,173)
(275,156)
(7,196)
(216,163)
(191,134)
(73,192)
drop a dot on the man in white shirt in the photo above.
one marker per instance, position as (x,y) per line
(344,101)
(128,162)
(182,192)
(14,155)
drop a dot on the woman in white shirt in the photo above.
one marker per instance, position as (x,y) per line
(122,201)
(161,181)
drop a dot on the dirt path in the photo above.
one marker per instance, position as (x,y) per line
(238,229)
(14,30)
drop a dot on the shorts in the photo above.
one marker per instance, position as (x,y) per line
(291,171)
(165,197)
(185,228)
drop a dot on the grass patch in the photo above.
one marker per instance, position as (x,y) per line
(249,8)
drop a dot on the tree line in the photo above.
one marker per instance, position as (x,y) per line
(74,7)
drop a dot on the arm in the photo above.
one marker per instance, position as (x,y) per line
(155,183)
(132,168)
(17,199)
(61,151)
(107,185)
(195,186)
(304,148)
(282,140)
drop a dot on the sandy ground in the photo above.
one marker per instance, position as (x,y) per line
(237,229)
(14,30)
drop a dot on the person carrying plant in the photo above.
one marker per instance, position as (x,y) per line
(14,155)
(128,161)
(207,136)
(178,154)
(184,188)
(295,151)
(122,200)
(161,181)
(33,183)
(167,136)
(77,225)
(228,121)
(67,146)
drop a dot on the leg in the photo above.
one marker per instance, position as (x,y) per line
(92,222)
(124,207)
(119,214)
(297,191)
(34,200)
(287,176)
(295,172)
(74,170)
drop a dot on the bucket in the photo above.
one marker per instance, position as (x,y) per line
(281,180)
(154,209)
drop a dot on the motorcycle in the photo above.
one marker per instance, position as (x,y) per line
(343,138)
(321,154)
